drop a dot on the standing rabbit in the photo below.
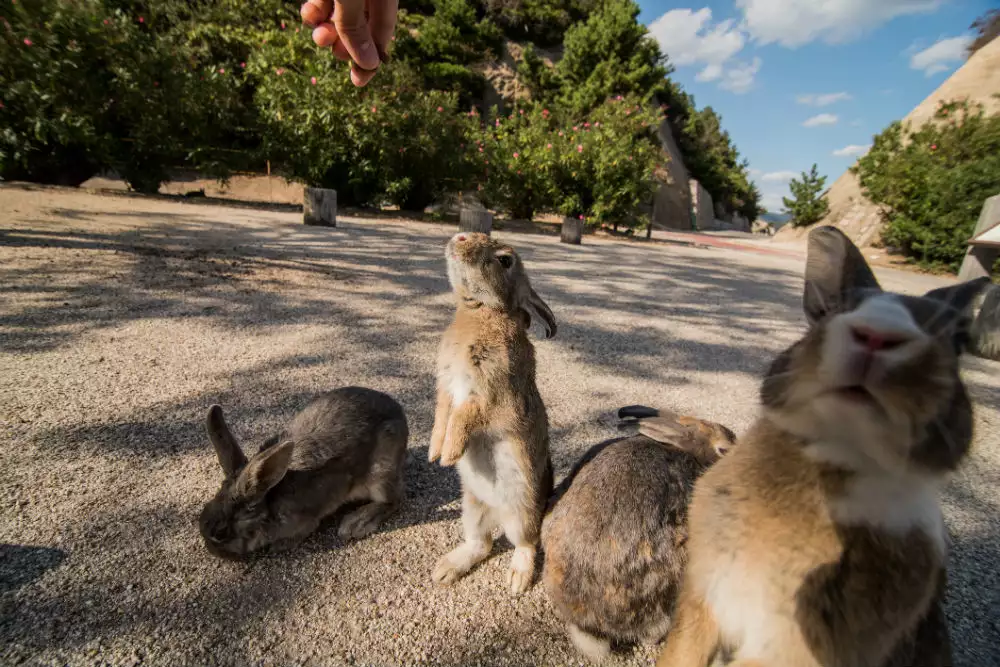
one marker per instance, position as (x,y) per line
(615,531)
(490,419)
(346,445)
(819,540)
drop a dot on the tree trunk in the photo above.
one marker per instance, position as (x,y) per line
(572,231)
(475,220)
(986,328)
(319,207)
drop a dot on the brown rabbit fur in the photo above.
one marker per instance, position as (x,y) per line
(819,541)
(490,419)
(615,530)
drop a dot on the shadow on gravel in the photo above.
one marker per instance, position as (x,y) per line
(20,565)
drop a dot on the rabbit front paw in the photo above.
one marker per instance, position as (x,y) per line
(437,444)
(452,450)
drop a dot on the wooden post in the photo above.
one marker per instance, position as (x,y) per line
(475,220)
(319,207)
(572,230)
(979,260)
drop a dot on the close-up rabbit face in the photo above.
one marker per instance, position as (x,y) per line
(237,520)
(483,270)
(877,370)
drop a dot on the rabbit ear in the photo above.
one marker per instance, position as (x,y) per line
(534,306)
(265,470)
(228,451)
(834,267)
(960,296)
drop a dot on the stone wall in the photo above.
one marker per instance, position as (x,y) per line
(672,201)
(701,206)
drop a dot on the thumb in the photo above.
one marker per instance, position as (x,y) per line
(352,27)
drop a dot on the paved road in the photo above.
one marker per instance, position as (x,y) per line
(121,320)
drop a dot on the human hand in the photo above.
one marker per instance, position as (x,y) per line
(356,30)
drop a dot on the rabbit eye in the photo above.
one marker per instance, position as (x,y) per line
(505,260)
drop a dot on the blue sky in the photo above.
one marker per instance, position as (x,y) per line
(803,81)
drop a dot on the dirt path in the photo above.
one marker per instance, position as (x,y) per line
(122,320)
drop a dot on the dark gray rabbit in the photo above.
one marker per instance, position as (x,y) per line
(347,445)
(614,535)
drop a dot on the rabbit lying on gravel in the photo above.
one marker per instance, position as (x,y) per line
(346,445)
(819,540)
(490,419)
(615,531)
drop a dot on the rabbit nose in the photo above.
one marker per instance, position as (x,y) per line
(875,340)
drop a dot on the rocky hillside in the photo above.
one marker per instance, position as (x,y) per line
(978,80)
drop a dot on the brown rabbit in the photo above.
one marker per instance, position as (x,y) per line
(490,419)
(818,540)
(615,529)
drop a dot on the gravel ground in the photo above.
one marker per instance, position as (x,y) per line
(123,319)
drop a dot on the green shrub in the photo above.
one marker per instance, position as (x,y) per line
(86,89)
(932,182)
(600,168)
(390,142)
(806,205)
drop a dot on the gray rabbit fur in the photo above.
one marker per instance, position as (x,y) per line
(615,531)
(346,445)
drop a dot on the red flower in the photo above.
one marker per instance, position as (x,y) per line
(313,81)
(27,42)
(575,128)
(545,112)
(517,155)
(142,20)
(560,133)
(586,124)
(440,109)
(480,149)
(222,70)
(106,21)
(518,172)
(933,147)
(581,217)
(243,65)
(282,25)
(548,146)
(374,109)
(522,112)
(280,71)
(579,148)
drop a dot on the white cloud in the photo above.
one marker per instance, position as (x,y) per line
(739,78)
(941,56)
(854,150)
(821,119)
(793,23)
(823,100)
(690,39)
(778,176)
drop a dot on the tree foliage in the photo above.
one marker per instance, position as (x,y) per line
(142,87)
(987,28)
(932,182)
(806,205)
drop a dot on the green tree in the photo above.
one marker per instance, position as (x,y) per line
(806,207)
(931,182)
